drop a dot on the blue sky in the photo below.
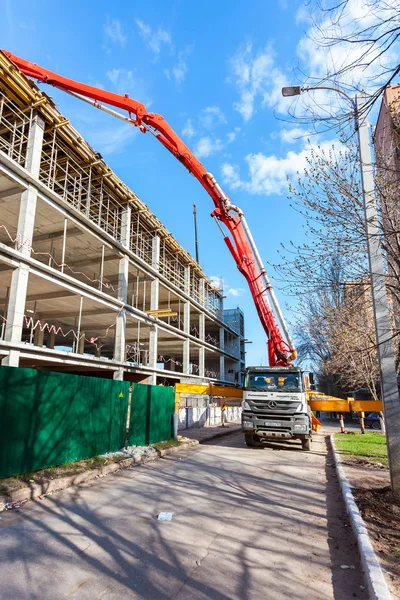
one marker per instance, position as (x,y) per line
(214,70)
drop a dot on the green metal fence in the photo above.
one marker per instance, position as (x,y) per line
(49,418)
(151,418)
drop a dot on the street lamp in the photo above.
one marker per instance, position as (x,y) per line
(388,375)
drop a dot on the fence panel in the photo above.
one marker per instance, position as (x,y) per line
(152,410)
(49,418)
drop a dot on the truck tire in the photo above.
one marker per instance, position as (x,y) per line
(249,439)
(306,445)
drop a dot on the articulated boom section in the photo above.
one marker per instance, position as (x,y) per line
(241,244)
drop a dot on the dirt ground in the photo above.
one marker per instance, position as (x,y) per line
(381,513)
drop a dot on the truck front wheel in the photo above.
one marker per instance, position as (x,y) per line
(250,440)
(306,445)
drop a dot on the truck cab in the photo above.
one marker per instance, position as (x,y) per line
(275,406)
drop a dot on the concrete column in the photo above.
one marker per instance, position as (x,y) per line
(186,317)
(186,356)
(201,361)
(155,284)
(153,353)
(26,222)
(201,291)
(221,338)
(123,269)
(81,343)
(202,326)
(222,367)
(51,340)
(186,322)
(222,358)
(38,337)
(202,334)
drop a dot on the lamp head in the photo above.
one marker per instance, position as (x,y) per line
(291,91)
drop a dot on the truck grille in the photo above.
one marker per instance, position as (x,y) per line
(273,407)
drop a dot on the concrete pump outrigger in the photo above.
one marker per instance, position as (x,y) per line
(259,404)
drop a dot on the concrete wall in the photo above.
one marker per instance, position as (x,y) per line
(206,416)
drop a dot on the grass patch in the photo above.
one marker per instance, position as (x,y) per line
(167,444)
(371,445)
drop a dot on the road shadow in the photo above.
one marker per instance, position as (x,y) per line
(238,523)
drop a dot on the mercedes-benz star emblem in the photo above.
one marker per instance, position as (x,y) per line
(272,404)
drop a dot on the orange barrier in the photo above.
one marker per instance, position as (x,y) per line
(315,424)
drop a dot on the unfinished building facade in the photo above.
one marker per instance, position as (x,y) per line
(90,280)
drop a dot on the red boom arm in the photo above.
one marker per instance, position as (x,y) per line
(241,246)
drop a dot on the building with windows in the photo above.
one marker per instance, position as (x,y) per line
(91,281)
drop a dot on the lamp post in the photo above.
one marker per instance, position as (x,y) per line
(388,375)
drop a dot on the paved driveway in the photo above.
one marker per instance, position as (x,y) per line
(248,524)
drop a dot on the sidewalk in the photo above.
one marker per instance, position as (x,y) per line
(203,434)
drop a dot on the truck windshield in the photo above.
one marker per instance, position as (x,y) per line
(274,381)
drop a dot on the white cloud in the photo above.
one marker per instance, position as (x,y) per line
(235,292)
(291,136)
(268,174)
(179,70)
(112,140)
(220,284)
(188,130)
(257,79)
(211,116)
(206,146)
(145,30)
(155,39)
(230,175)
(216,281)
(122,79)
(113,30)
(320,62)
(231,136)
(125,81)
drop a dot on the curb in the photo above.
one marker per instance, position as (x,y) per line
(375,579)
(37,490)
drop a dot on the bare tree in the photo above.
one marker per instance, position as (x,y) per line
(359,41)
(336,337)
(367,35)
(328,197)
(329,274)
(354,357)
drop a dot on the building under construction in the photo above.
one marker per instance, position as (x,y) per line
(90,280)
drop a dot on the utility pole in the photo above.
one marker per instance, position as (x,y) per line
(387,365)
(196,241)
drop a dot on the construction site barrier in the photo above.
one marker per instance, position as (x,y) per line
(50,418)
(151,414)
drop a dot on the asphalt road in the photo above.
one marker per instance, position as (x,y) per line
(248,524)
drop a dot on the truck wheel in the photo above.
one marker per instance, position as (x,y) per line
(249,439)
(306,445)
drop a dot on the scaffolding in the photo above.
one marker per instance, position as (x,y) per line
(77,174)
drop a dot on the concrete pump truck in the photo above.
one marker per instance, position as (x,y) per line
(274,401)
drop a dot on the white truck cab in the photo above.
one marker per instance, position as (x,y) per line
(275,406)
